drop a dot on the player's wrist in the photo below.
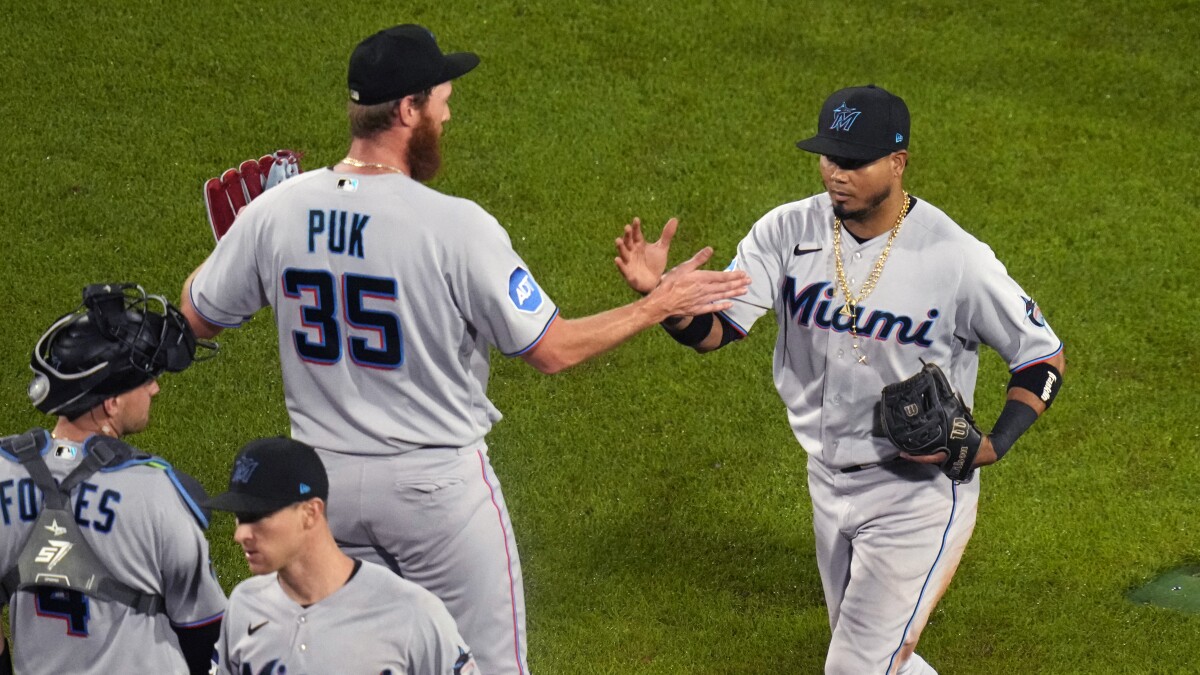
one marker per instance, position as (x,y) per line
(646,288)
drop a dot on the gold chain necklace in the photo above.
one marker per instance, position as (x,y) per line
(371,165)
(850,309)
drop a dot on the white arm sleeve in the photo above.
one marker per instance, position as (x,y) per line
(758,255)
(435,645)
(998,313)
(495,290)
(227,290)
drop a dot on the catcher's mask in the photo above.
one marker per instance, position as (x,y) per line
(116,341)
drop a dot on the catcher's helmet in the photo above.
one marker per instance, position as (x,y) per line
(111,344)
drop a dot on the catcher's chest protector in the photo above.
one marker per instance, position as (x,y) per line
(56,553)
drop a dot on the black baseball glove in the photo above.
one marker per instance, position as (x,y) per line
(923,415)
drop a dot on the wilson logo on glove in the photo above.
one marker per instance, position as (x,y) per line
(959,429)
(226,195)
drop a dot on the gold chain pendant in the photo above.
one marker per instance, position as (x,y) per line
(371,165)
(850,308)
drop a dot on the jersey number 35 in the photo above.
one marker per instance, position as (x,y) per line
(373,337)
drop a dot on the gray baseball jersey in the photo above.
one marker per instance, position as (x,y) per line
(377,623)
(387,295)
(146,528)
(942,294)
(889,534)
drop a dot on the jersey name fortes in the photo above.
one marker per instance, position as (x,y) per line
(813,306)
(21,499)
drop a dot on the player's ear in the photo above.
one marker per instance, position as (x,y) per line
(314,511)
(112,405)
(408,112)
(899,162)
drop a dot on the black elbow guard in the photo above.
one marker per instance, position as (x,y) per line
(729,332)
(693,333)
(1042,379)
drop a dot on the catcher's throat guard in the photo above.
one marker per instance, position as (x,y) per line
(923,415)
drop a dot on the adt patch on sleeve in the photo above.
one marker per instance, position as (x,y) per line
(524,291)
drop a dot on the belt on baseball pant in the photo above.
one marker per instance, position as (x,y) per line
(863,467)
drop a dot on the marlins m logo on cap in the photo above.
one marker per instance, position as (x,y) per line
(243,470)
(844,116)
(270,474)
(860,123)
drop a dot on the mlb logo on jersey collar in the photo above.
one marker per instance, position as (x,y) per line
(66,451)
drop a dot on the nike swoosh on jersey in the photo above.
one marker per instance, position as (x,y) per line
(804,251)
(251,630)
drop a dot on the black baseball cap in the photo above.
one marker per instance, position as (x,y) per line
(270,474)
(863,123)
(401,61)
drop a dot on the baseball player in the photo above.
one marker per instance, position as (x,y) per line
(313,609)
(102,548)
(387,296)
(868,283)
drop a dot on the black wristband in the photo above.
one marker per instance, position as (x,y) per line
(1014,420)
(692,334)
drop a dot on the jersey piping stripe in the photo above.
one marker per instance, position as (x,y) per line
(508,559)
(732,324)
(170,472)
(1047,357)
(537,339)
(929,575)
(202,622)
(44,450)
(209,319)
(187,499)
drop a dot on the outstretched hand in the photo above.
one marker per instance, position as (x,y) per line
(641,263)
(688,290)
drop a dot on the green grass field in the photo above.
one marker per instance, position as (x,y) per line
(658,497)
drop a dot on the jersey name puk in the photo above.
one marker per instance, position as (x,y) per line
(338,240)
